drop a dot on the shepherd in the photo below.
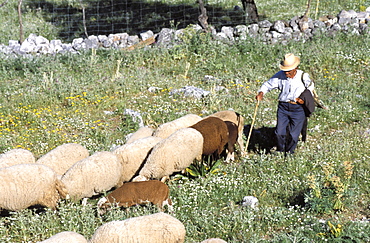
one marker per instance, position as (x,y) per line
(290,113)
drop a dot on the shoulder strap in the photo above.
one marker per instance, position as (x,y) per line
(302,80)
(304,83)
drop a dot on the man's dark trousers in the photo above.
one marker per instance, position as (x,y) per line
(290,118)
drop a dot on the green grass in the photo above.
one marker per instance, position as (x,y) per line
(51,100)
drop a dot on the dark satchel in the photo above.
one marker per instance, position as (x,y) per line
(309,101)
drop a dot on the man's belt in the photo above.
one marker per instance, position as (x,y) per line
(292,102)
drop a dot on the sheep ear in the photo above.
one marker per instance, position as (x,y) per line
(102,201)
(140,178)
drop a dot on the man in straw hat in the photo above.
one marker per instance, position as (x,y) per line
(290,113)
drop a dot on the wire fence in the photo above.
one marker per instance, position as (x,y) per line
(103,17)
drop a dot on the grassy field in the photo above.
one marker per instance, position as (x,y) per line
(319,194)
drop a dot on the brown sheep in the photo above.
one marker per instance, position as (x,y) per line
(229,115)
(233,138)
(215,135)
(139,192)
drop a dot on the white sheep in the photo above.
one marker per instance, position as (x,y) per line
(25,185)
(16,156)
(142,132)
(133,155)
(166,129)
(172,154)
(65,237)
(154,228)
(232,116)
(97,173)
(61,158)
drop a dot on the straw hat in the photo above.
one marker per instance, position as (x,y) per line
(290,62)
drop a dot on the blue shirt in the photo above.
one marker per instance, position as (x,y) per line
(290,88)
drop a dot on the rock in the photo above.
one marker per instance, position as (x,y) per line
(146,35)
(92,42)
(253,30)
(190,91)
(229,32)
(279,26)
(264,24)
(241,31)
(165,37)
(305,24)
(351,14)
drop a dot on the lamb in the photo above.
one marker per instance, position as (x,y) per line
(16,156)
(133,193)
(61,158)
(65,237)
(142,132)
(166,129)
(133,155)
(25,185)
(229,115)
(215,135)
(172,154)
(154,228)
(97,173)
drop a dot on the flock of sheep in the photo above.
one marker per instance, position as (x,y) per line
(136,169)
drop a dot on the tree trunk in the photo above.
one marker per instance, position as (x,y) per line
(1,5)
(307,13)
(250,9)
(203,16)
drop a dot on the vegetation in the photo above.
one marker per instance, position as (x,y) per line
(319,194)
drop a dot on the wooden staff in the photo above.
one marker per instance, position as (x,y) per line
(250,131)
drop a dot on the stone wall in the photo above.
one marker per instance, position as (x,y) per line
(296,29)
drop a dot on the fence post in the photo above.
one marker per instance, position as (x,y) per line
(84,18)
(20,21)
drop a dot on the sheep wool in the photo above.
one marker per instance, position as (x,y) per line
(233,136)
(63,157)
(172,154)
(166,129)
(215,134)
(65,237)
(15,157)
(25,185)
(140,192)
(95,174)
(232,116)
(142,132)
(133,155)
(154,228)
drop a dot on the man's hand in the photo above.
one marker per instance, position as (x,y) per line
(259,97)
(299,101)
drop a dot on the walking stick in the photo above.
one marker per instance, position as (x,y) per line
(250,131)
